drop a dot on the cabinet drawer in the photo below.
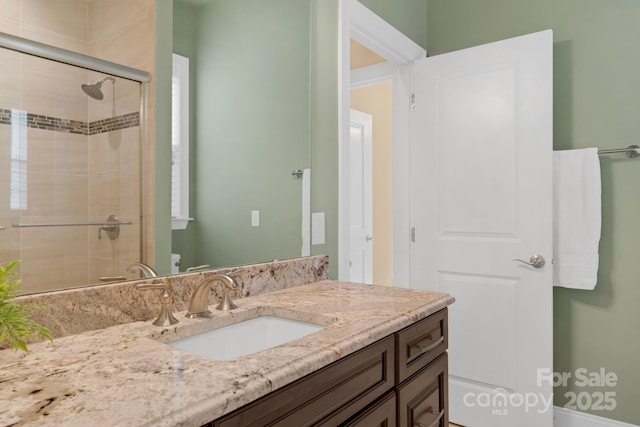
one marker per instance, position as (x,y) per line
(382,414)
(421,343)
(352,382)
(423,399)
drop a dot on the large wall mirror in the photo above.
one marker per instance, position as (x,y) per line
(249,131)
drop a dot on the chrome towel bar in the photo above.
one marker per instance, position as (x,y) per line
(631,151)
(111,226)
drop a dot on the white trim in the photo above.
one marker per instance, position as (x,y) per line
(344,107)
(357,22)
(375,33)
(180,223)
(181,71)
(567,418)
(372,74)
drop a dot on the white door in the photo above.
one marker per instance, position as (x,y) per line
(481,195)
(361,198)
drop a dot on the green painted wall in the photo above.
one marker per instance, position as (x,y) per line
(596,103)
(324,124)
(251,129)
(161,83)
(408,16)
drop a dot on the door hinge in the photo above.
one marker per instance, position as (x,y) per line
(413,234)
(413,101)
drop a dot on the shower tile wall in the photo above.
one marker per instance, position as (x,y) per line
(74,177)
(123,31)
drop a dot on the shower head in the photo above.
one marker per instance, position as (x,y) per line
(93,89)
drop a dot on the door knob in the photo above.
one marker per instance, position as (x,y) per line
(369,238)
(536,261)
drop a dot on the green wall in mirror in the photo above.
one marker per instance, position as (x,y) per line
(250,129)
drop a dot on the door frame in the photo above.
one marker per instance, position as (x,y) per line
(357,22)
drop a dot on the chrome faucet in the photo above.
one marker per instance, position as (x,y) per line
(145,269)
(199,301)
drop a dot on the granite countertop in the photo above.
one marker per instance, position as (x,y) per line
(124,375)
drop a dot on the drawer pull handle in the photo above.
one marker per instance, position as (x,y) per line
(435,422)
(434,344)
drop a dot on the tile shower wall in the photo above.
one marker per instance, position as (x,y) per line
(83,174)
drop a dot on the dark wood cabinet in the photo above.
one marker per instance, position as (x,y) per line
(381,414)
(400,380)
(423,398)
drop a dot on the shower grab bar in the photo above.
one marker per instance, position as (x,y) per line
(105,224)
(631,151)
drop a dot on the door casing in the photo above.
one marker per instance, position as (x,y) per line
(368,29)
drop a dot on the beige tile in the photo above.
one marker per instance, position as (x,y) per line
(5,194)
(75,271)
(103,195)
(98,248)
(116,15)
(128,95)
(71,153)
(93,145)
(5,149)
(104,153)
(51,38)
(10,9)
(39,275)
(71,195)
(9,239)
(10,79)
(55,69)
(40,189)
(64,17)
(127,245)
(129,195)
(94,24)
(53,95)
(100,267)
(41,151)
(42,242)
(132,46)
(10,26)
(129,151)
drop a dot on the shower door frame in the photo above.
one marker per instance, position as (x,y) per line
(41,50)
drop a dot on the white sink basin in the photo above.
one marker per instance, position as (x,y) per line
(241,339)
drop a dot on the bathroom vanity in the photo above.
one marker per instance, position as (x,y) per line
(406,370)
(379,356)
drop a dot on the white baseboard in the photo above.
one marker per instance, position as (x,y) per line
(567,418)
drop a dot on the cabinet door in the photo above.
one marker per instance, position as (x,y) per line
(383,414)
(423,399)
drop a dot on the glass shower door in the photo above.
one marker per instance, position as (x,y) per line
(70,173)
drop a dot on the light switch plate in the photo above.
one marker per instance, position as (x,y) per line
(255,218)
(317,228)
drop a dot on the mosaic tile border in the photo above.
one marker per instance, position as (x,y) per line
(38,121)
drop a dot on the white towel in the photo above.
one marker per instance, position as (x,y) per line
(577,218)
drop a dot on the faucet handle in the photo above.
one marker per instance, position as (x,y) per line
(165,318)
(226,303)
